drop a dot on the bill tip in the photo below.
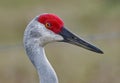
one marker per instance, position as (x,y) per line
(100,52)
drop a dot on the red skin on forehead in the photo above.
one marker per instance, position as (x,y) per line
(55,22)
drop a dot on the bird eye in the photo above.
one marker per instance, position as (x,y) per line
(47,25)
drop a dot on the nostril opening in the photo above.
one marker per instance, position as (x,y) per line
(74,38)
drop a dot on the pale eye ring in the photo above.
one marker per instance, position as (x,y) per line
(47,25)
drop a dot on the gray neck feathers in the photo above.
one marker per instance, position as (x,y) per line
(37,55)
(45,71)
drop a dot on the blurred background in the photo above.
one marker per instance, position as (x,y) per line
(97,21)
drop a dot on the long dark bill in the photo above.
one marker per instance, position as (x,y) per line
(69,37)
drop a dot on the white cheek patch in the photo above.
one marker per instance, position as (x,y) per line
(50,37)
(58,38)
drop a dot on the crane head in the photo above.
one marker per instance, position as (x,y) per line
(57,32)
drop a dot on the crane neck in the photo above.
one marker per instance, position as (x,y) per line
(37,56)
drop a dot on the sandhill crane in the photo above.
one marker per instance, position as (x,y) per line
(43,29)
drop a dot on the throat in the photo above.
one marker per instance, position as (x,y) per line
(38,58)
